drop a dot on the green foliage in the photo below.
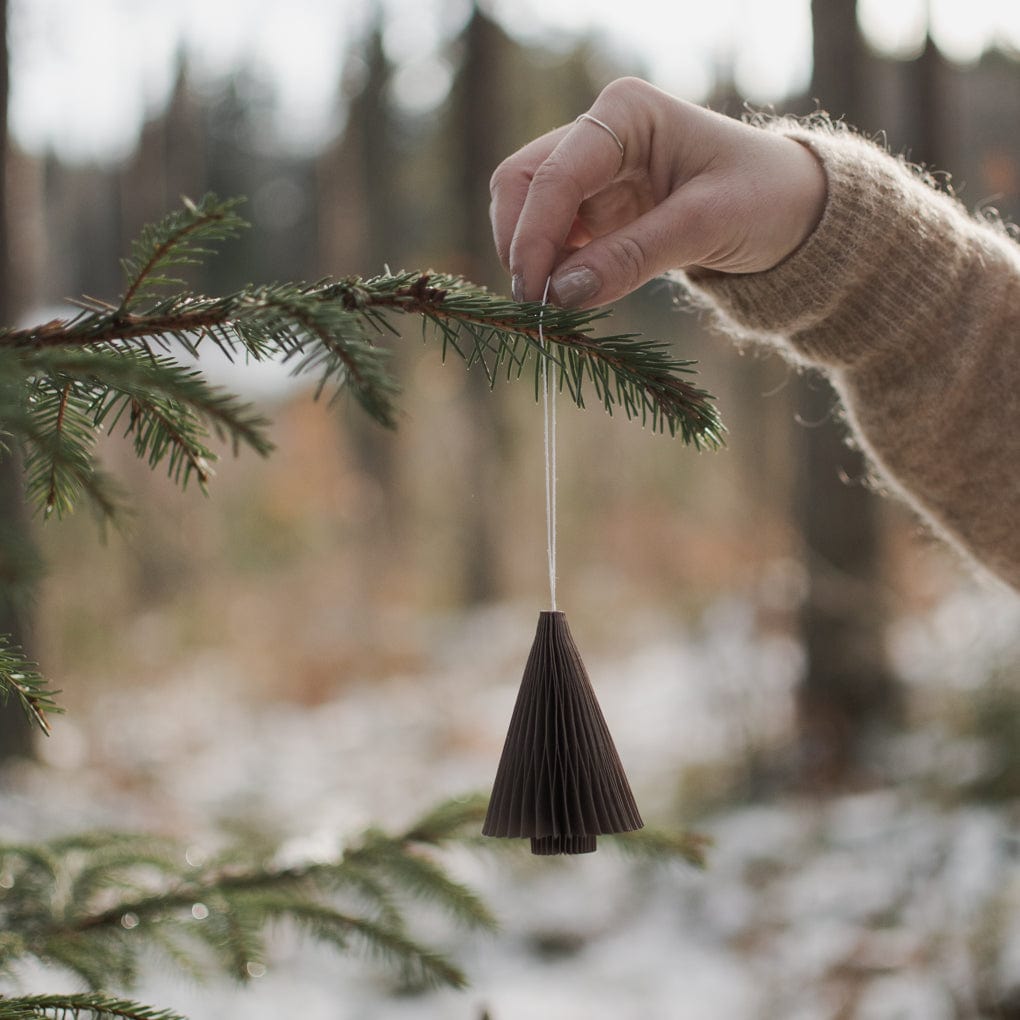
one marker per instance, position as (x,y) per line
(93,904)
(21,569)
(641,376)
(660,844)
(19,679)
(64,382)
(177,240)
(59,1007)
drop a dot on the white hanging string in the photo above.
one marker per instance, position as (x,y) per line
(549,421)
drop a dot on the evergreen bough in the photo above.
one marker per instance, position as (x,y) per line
(93,903)
(90,903)
(63,382)
(96,904)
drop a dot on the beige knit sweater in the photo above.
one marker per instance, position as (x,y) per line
(912,308)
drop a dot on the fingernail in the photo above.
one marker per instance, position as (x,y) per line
(517,287)
(574,287)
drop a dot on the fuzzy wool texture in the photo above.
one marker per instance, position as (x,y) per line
(911,307)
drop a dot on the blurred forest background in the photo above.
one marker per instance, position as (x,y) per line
(341,559)
(349,522)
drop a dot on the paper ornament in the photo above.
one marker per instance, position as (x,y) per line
(559,781)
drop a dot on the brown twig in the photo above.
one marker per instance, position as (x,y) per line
(161,250)
(51,492)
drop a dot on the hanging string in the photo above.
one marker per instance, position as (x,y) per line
(549,422)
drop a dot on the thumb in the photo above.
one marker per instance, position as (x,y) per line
(670,236)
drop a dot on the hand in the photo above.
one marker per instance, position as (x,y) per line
(692,189)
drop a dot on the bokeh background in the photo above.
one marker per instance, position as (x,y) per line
(335,635)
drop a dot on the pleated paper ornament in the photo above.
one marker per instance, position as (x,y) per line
(559,781)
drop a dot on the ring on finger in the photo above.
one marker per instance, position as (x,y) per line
(605,127)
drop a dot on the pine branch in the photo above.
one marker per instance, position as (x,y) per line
(30,1007)
(59,447)
(418,966)
(663,845)
(167,408)
(640,376)
(449,819)
(424,879)
(92,903)
(98,963)
(110,867)
(174,940)
(341,354)
(19,679)
(62,381)
(177,240)
(232,929)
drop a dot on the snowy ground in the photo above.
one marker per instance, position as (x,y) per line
(888,905)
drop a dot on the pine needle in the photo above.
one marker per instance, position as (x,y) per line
(30,1007)
(177,240)
(662,845)
(19,679)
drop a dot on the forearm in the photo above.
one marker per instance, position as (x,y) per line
(913,309)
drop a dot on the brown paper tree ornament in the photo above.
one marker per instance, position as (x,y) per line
(559,781)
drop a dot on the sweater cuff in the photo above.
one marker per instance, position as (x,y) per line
(878,261)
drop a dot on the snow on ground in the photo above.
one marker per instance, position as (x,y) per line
(886,905)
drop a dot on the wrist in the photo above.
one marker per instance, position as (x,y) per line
(808,191)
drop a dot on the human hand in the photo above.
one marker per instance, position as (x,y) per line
(692,189)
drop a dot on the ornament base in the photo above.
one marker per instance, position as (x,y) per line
(546,846)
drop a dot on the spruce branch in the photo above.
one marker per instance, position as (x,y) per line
(63,381)
(92,903)
(424,879)
(59,447)
(641,376)
(416,965)
(19,679)
(335,320)
(167,409)
(177,240)
(331,328)
(660,845)
(449,819)
(59,1007)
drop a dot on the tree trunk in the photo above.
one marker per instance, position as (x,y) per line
(928,123)
(479,91)
(369,150)
(847,693)
(15,734)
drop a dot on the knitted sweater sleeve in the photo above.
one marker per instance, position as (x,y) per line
(912,308)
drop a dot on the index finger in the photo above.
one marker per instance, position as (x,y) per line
(509,185)
(583,162)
